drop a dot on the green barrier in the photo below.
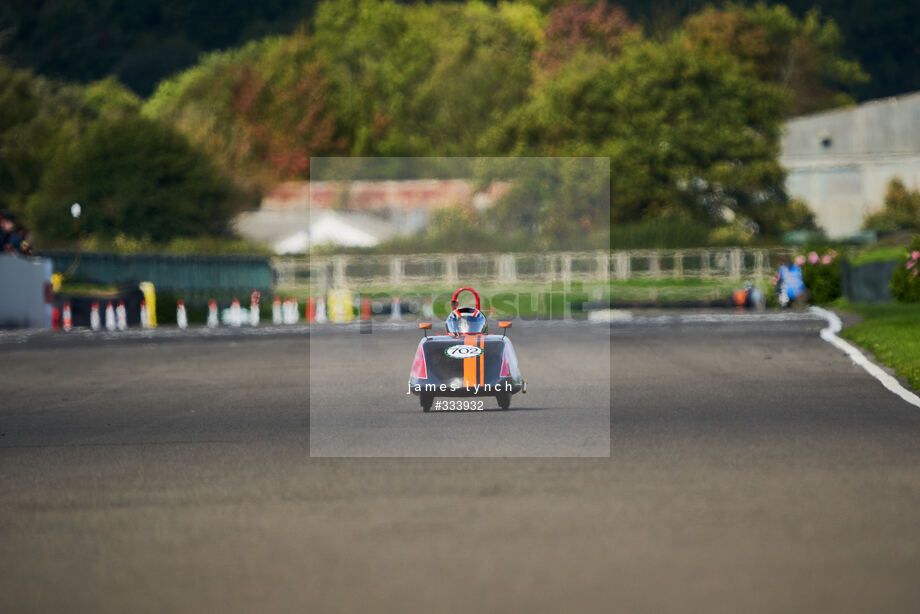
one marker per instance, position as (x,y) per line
(169,273)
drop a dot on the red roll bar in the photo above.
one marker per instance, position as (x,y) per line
(454,302)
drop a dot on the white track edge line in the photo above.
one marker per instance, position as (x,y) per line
(829,334)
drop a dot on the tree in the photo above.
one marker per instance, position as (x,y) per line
(375,54)
(139,41)
(901,211)
(602,28)
(553,203)
(134,176)
(260,112)
(482,72)
(801,55)
(689,131)
(21,138)
(37,118)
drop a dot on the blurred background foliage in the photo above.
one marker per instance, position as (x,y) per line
(901,211)
(222,100)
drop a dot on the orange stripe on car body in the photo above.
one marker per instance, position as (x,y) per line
(482,359)
(469,364)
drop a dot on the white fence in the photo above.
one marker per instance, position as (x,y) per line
(522,268)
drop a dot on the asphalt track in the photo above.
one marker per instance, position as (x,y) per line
(752,468)
(359,405)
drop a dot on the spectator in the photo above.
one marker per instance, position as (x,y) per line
(13,240)
(790,287)
(7,226)
(25,245)
(4,214)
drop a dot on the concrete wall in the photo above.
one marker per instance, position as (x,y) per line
(22,292)
(840,162)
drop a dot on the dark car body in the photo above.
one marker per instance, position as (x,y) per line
(471,365)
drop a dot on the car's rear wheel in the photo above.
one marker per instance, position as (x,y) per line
(425,400)
(504,400)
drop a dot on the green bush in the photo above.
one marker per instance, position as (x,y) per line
(901,212)
(661,233)
(905,280)
(821,274)
(134,177)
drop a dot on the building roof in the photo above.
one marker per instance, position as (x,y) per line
(413,194)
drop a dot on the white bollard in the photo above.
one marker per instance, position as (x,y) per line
(321,310)
(121,316)
(254,308)
(277,317)
(145,317)
(66,317)
(94,320)
(213,321)
(181,316)
(236,315)
(109,316)
(396,309)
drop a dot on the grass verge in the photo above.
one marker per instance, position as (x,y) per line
(892,333)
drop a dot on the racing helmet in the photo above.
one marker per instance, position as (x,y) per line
(466,320)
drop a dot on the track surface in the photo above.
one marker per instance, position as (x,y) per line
(752,468)
(359,405)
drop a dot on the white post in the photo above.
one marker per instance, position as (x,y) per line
(276,311)
(603,266)
(622,260)
(236,314)
(109,316)
(94,320)
(213,321)
(735,262)
(397,271)
(566,269)
(450,269)
(339,279)
(254,308)
(321,310)
(181,317)
(654,265)
(121,316)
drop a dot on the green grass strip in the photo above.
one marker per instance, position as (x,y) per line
(892,333)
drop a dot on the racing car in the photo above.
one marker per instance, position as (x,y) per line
(465,361)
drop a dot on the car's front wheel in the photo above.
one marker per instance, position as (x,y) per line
(425,400)
(504,400)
